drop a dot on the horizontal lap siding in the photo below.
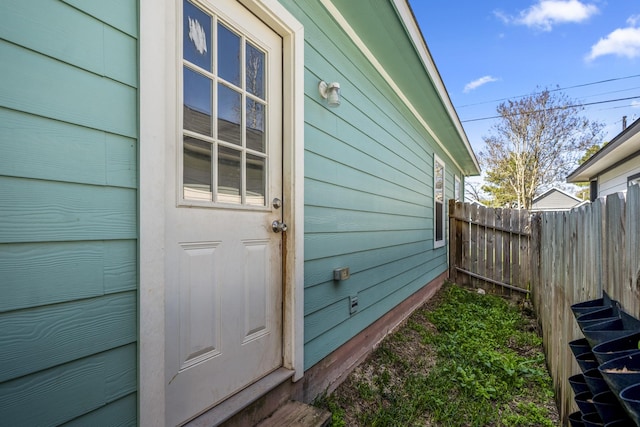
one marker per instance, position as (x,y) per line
(368,191)
(68,209)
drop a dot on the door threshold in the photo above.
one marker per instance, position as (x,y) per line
(236,403)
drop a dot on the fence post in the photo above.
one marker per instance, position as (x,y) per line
(453,241)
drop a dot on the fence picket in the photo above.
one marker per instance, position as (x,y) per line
(498,258)
(581,253)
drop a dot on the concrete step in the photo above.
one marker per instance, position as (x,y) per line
(297,414)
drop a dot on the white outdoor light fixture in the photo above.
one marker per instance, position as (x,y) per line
(330,92)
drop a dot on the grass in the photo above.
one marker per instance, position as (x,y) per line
(463,359)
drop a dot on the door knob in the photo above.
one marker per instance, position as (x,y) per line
(278,226)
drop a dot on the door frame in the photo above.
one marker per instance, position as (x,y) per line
(157,123)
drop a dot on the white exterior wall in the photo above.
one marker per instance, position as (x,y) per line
(615,180)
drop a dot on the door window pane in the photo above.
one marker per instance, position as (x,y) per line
(196,174)
(228,55)
(255,180)
(197,102)
(255,125)
(254,71)
(229,115)
(196,36)
(229,175)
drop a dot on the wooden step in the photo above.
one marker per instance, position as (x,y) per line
(297,414)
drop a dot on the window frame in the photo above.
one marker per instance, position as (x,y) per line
(457,188)
(438,243)
(215,142)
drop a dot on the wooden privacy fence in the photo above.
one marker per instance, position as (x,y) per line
(490,248)
(559,258)
(579,254)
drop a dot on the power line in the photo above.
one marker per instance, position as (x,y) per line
(552,90)
(555,108)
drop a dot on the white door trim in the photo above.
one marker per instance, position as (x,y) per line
(158,121)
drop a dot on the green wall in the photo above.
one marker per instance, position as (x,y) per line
(368,191)
(68,212)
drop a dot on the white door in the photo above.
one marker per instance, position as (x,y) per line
(224,258)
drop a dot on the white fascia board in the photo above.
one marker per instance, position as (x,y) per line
(361,45)
(414,32)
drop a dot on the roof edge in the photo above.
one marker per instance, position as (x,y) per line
(414,32)
(618,140)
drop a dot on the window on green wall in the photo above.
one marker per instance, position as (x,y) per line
(438,202)
(456,189)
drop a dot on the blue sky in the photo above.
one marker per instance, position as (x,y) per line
(490,50)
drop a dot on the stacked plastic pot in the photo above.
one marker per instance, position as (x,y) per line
(608,389)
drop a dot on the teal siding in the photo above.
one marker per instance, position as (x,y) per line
(68,212)
(368,191)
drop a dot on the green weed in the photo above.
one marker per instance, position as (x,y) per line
(489,370)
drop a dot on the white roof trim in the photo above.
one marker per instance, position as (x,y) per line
(409,21)
(622,147)
(342,22)
(551,190)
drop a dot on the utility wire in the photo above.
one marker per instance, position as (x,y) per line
(553,90)
(554,108)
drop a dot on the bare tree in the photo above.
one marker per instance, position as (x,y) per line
(473,190)
(536,142)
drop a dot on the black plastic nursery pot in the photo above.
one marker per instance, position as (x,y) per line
(630,398)
(592,420)
(597,316)
(621,423)
(575,419)
(596,383)
(587,323)
(622,372)
(610,329)
(587,361)
(584,401)
(612,349)
(608,407)
(578,383)
(579,346)
(591,305)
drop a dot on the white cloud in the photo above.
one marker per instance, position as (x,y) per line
(547,13)
(621,42)
(478,82)
(633,20)
(635,104)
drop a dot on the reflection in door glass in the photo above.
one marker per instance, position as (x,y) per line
(254,71)
(229,175)
(229,115)
(255,125)
(228,55)
(196,36)
(197,102)
(196,174)
(255,180)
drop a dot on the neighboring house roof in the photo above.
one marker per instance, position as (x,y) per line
(624,147)
(411,74)
(554,199)
(477,202)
